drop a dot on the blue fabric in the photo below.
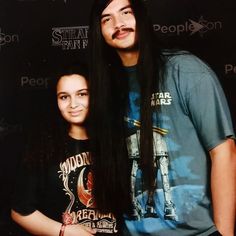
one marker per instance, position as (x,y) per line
(194,118)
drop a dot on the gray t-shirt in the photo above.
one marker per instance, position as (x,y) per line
(193,118)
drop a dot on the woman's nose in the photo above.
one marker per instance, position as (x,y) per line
(74,103)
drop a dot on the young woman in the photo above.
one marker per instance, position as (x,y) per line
(53,194)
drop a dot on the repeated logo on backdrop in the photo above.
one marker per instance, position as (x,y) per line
(190,26)
(32,82)
(7,38)
(76,37)
(230,69)
(7,129)
(70,38)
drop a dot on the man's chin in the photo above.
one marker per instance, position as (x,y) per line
(133,48)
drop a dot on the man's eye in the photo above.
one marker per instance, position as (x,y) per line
(126,12)
(105,20)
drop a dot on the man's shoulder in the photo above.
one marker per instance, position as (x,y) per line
(184,61)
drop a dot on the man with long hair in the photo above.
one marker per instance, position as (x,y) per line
(162,117)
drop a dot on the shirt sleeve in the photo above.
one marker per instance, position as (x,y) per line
(207,105)
(25,194)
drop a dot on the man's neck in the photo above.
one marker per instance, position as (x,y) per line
(129,58)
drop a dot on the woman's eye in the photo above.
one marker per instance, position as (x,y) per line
(83,94)
(63,97)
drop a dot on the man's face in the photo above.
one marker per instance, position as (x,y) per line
(118,25)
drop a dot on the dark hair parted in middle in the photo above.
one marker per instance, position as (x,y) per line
(108,101)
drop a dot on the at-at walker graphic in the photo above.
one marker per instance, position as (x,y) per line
(161,161)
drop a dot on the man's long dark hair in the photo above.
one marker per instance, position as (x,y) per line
(109,101)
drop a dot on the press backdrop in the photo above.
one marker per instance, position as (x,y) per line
(39,36)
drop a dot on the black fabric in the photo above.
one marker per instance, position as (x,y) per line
(36,188)
(63,188)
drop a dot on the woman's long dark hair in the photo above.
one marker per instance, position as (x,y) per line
(108,103)
(46,137)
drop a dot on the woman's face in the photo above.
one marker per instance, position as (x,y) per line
(73,98)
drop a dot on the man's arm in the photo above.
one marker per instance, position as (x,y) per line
(223,186)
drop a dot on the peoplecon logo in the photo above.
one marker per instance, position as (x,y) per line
(191,26)
(34,82)
(70,38)
(7,38)
(230,69)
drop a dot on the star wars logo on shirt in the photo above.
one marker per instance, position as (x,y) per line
(162,98)
(70,38)
(77,179)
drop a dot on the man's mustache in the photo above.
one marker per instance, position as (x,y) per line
(117,32)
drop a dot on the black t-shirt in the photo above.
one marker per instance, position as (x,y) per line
(62,190)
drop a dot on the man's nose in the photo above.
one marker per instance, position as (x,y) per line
(118,22)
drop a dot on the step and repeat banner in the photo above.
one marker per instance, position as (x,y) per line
(39,36)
